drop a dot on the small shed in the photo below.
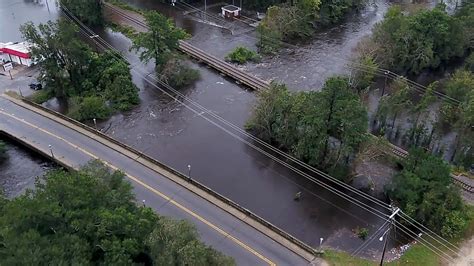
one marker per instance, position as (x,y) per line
(230,11)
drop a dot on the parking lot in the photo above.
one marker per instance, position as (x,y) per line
(22,76)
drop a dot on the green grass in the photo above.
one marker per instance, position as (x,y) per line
(417,254)
(41,96)
(123,5)
(342,258)
(125,30)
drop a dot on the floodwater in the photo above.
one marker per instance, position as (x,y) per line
(170,132)
(19,169)
(14,13)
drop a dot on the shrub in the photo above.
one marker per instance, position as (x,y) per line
(362,233)
(88,108)
(242,55)
(177,74)
(41,96)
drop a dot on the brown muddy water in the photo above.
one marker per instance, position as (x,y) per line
(169,132)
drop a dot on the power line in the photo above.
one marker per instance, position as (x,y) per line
(269,146)
(335,191)
(341,194)
(424,242)
(380,72)
(422,228)
(368,241)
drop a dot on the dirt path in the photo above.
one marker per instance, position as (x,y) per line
(467,259)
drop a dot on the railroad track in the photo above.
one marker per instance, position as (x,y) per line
(402,154)
(216,63)
(256,83)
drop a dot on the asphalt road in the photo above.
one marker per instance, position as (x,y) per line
(216,227)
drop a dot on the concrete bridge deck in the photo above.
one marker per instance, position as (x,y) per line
(221,223)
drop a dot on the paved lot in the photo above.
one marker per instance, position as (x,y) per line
(22,77)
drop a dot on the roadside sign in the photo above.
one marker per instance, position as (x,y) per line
(8,66)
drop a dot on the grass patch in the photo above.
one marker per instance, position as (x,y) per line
(124,29)
(41,96)
(124,5)
(416,255)
(337,258)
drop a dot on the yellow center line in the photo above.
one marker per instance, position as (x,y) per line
(160,194)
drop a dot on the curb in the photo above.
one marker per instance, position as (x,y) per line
(278,235)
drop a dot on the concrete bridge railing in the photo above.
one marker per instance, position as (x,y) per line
(277,234)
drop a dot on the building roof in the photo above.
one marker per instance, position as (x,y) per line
(231,8)
(21,49)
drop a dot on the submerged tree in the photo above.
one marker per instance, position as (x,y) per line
(411,43)
(88,11)
(70,69)
(425,192)
(91,217)
(322,128)
(160,41)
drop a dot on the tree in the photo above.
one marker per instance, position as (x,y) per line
(88,11)
(457,87)
(425,192)
(160,41)
(321,128)
(397,102)
(91,217)
(59,53)
(72,72)
(411,43)
(344,114)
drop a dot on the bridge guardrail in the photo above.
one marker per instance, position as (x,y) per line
(199,185)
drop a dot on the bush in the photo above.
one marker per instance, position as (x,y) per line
(177,74)
(88,108)
(362,233)
(242,55)
(41,96)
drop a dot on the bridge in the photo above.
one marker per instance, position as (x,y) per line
(222,66)
(221,223)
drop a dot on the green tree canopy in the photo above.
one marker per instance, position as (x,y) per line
(160,41)
(70,69)
(91,217)
(88,11)
(424,191)
(411,43)
(322,128)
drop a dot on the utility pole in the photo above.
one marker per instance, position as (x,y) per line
(391,218)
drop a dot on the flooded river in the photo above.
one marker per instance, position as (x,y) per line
(171,133)
(19,169)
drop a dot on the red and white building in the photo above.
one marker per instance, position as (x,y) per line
(17,52)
